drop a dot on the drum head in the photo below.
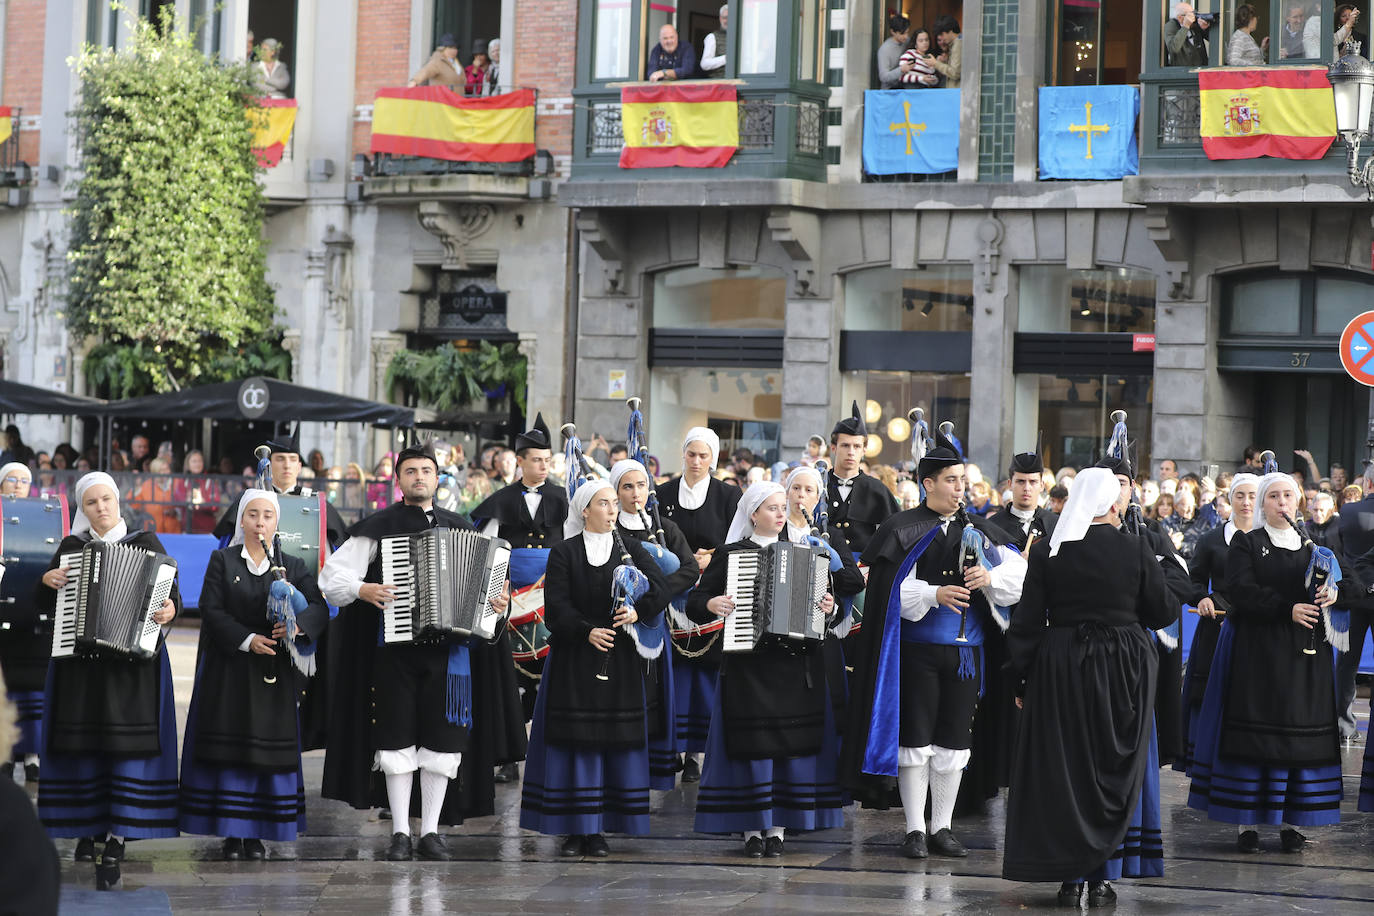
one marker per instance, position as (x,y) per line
(301,524)
(30,530)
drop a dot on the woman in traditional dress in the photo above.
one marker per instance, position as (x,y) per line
(772,751)
(1268,750)
(110,730)
(241,767)
(25,645)
(587,770)
(1084,798)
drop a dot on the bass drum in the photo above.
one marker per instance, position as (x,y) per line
(30,531)
(302,524)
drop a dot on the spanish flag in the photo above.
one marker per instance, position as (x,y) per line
(434,121)
(1284,112)
(6,122)
(272,124)
(688,124)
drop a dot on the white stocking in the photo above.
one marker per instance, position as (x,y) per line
(912,782)
(433,787)
(398,797)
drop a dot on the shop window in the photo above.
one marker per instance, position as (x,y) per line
(934,299)
(1074,414)
(1056,299)
(698,297)
(743,407)
(885,398)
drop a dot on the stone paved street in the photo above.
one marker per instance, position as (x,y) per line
(501,869)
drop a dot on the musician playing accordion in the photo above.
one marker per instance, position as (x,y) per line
(772,747)
(912,705)
(110,732)
(431,707)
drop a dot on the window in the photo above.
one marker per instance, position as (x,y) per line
(1096,44)
(102,23)
(468,21)
(611,55)
(276,20)
(1266,305)
(1054,299)
(885,398)
(743,407)
(1074,413)
(1306,306)
(811,37)
(934,299)
(758,40)
(698,297)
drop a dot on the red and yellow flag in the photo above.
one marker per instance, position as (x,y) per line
(1284,112)
(434,121)
(687,124)
(272,125)
(6,122)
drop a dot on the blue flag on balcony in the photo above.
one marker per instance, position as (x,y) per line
(911,131)
(1088,131)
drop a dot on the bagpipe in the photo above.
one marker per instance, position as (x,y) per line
(650,640)
(284,600)
(1323,571)
(1133,522)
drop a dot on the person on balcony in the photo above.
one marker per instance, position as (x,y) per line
(890,52)
(1347,14)
(270,75)
(475,73)
(1185,38)
(443,67)
(494,67)
(671,59)
(713,49)
(1291,39)
(917,71)
(949,63)
(1242,51)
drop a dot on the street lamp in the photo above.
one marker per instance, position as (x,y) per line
(1352,85)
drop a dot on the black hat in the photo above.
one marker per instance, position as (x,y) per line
(1116,465)
(852,425)
(536,437)
(945,454)
(447,40)
(291,442)
(1027,462)
(416,449)
(479,47)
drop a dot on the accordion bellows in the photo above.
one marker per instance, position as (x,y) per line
(108,603)
(444,581)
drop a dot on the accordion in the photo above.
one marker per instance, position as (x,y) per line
(778,592)
(444,580)
(108,603)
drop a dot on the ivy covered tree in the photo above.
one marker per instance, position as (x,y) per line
(167,262)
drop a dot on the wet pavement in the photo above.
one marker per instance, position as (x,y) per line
(856,869)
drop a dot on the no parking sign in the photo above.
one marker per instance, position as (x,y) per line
(1357,348)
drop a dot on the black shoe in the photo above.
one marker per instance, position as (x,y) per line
(596,846)
(400,849)
(508,773)
(7,771)
(691,770)
(85,850)
(753,847)
(945,843)
(1070,893)
(255,850)
(30,773)
(1248,841)
(772,847)
(571,846)
(114,852)
(1101,893)
(107,876)
(432,848)
(233,849)
(1291,840)
(914,846)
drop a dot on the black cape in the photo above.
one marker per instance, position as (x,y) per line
(1207,572)
(1169,692)
(507,507)
(869,505)
(1083,746)
(1016,534)
(104,703)
(498,728)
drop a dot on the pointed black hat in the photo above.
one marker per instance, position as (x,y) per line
(1028,462)
(536,437)
(287,442)
(852,425)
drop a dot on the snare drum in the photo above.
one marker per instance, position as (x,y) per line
(857,614)
(30,530)
(529,636)
(302,523)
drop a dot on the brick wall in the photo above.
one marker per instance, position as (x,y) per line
(383,59)
(24,23)
(544,59)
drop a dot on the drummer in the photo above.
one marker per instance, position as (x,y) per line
(25,644)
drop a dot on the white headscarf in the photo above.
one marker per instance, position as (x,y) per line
(618,470)
(1285,536)
(248,496)
(742,525)
(16,466)
(1241,479)
(1095,491)
(580,501)
(708,436)
(82,524)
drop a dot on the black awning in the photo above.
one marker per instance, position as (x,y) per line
(16,398)
(262,399)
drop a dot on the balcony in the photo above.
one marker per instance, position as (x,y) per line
(14,173)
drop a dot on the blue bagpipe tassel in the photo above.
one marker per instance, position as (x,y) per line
(1169,636)
(284,602)
(989,558)
(1336,621)
(458,686)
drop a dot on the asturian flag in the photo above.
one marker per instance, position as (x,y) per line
(911,131)
(1088,131)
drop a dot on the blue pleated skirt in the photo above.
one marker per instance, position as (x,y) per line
(30,705)
(1367,780)
(798,793)
(133,797)
(573,790)
(1141,853)
(664,750)
(1241,792)
(695,689)
(237,801)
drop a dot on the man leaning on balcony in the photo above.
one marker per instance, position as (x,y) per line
(671,59)
(1185,38)
(442,68)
